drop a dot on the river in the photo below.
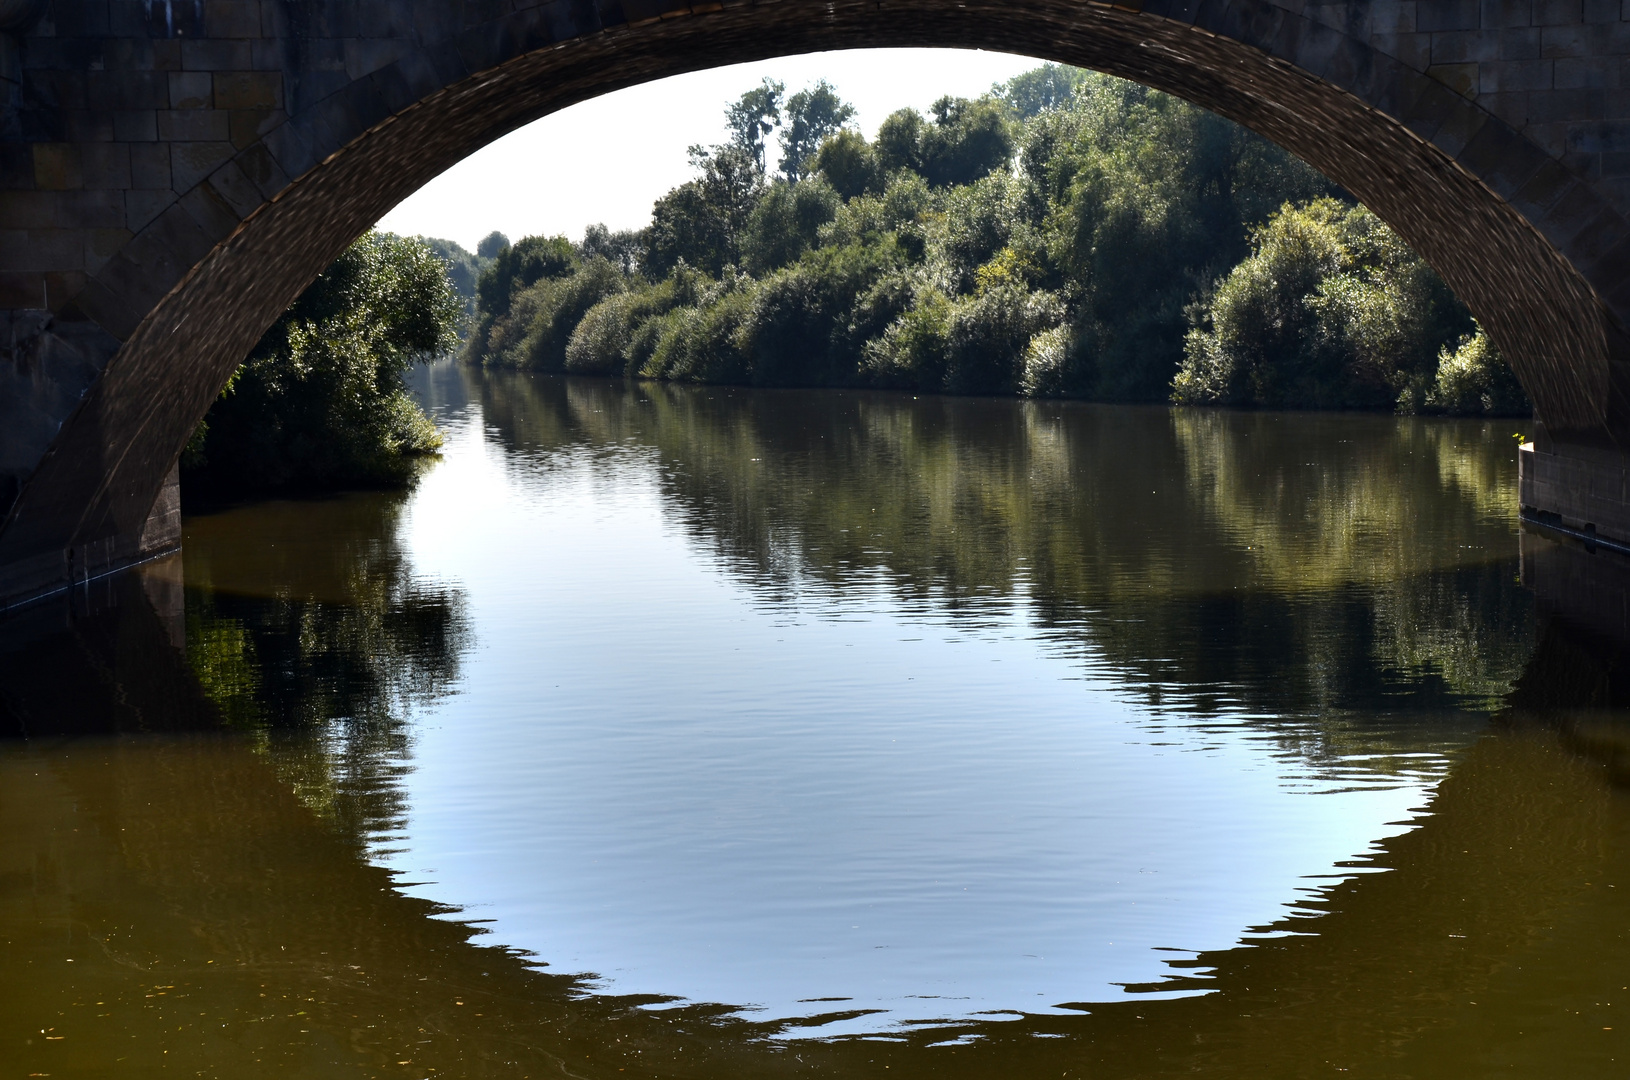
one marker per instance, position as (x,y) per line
(713,732)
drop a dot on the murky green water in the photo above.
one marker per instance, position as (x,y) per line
(712,733)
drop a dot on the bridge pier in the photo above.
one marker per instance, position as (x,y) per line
(1577,490)
(58,570)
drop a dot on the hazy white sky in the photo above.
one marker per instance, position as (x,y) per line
(609,159)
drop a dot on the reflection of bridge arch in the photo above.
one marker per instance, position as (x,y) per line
(180,172)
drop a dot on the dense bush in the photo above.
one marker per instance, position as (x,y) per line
(320,403)
(786,223)
(543,317)
(1473,380)
(1068,235)
(619,334)
(1331,310)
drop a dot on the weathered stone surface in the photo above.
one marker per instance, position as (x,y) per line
(174,172)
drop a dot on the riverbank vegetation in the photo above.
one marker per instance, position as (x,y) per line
(321,402)
(1067,235)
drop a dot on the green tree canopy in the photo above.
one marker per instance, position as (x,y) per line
(1069,234)
(321,402)
(812,115)
(899,142)
(492,245)
(515,268)
(850,164)
(754,116)
(701,221)
(1039,90)
(967,141)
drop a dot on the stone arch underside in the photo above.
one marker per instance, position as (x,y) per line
(1527,247)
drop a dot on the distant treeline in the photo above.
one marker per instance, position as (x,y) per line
(1067,235)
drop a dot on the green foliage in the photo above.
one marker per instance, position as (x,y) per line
(463,271)
(492,245)
(988,335)
(1473,379)
(1068,235)
(700,222)
(617,335)
(786,221)
(542,318)
(1039,90)
(1045,371)
(753,117)
(799,326)
(622,248)
(967,141)
(912,353)
(703,343)
(812,115)
(978,220)
(850,165)
(463,268)
(899,142)
(1140,200)
(1330,310)
(518,267)
(321,403)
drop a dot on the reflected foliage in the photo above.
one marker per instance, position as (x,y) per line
(216,926)
(308,629)
(1282,556)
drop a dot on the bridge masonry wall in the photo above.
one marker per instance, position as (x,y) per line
(138,137)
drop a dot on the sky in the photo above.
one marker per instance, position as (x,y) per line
(607,160)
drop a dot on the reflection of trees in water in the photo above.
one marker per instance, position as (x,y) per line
(1331,565)
(308,628)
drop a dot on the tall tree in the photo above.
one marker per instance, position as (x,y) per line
(492,245)
(1039,89)
(754,116)
(701,220)
(812,115)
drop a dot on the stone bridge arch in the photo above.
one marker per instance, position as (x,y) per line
(174,172)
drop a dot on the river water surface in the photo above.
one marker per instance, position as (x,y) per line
(708,732)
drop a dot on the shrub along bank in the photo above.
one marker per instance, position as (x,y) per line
(1068,235)
(321,402)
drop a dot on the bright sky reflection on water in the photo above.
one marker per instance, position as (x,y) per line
(662,773)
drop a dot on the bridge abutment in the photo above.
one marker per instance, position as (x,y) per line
(1581,491)
(54,571)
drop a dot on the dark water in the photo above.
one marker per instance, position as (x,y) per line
(712,733)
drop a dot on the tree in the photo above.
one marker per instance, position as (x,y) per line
(492,245)
(701,221)
(899,142)
(812,115)
(968,140)
(321,402)
(463,269)
(785,222)
(753,117)
(621,248)
(849,164)
(1039,90)
(515,268)
(1330,310)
